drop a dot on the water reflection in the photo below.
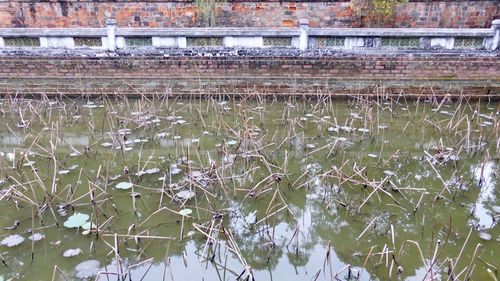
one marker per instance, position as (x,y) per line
(78,140)
(485,175)
(11,139)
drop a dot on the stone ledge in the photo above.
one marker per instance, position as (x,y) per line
(236,52)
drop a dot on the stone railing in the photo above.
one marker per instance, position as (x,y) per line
(304,37)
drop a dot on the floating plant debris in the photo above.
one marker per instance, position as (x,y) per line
(72,252)
(12,240)
(88,226)
(346,128)
(186,212)
(152,171)
(124,185)
(485,236)
(135,194)
(76,220)
(174,170)
(87,269)
(36,237)
(13,226)
(333,129)
(185,195)
(390,173)
(106,144)
(72,167)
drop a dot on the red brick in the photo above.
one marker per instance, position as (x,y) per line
(446,14)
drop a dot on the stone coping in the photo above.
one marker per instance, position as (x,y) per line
(220,31)
(220,52)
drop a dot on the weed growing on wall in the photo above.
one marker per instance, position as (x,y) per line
(376,12)
(206,12)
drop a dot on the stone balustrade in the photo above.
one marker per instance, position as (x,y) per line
(112,38)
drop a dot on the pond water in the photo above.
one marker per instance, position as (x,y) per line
(295,189)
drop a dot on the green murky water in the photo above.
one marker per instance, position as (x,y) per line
(278,190)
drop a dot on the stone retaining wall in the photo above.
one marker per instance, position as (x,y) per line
(330,74)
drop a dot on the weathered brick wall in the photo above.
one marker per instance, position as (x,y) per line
(182,13)
(475,75)
(350,66)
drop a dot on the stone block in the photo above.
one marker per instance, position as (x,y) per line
(57,42)
(120,42)
(354,42)
(296,42)
(181,42)
(442,42)
(243,42)
(164,42)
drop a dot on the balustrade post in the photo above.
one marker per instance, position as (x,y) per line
(304,36)
(495,25)
(111,28)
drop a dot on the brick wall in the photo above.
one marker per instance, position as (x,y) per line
(181,13)
(473,75)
